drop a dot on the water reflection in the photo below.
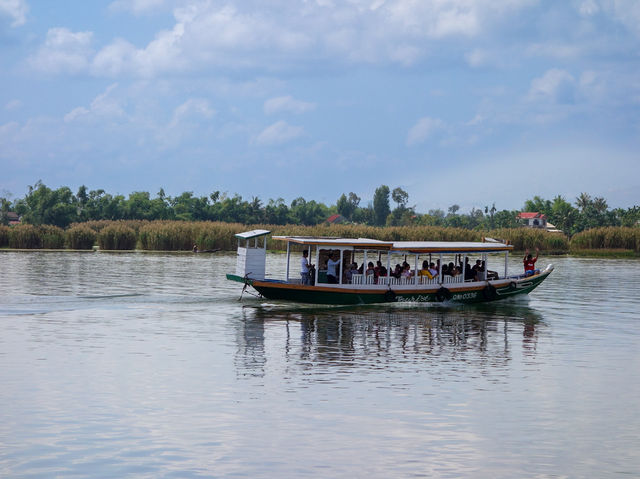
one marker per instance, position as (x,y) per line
(380,336)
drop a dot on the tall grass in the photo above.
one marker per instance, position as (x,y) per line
(611,237)
(51,237)
(4,236)
(80,237)
(36,237)
(117,236)
(182,235)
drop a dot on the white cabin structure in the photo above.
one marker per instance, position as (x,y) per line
(252,254)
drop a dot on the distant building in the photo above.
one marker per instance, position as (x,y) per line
(13,218)
(336,219)
(533,220)
(537,220)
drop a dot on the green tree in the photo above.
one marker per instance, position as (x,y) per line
(45,206)
(276,212)
(583,201)
(538,205)
(381,207)
(563,215)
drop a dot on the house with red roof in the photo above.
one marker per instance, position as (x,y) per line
(336,219)
(533,219)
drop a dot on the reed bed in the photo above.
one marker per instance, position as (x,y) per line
(80,236)
(117,236)
(5,231)
(36,237)
(611,237)
(209,235)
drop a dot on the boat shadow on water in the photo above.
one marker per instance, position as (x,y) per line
(338,336)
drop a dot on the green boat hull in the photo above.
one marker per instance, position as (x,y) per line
(326,294)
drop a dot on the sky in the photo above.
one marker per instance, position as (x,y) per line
(468,102)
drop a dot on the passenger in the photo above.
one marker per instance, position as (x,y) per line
(424,271)
(397,272)
(332,265)
(406,271)
(370,269)
(445,270)
(433,270)
(530,262)
(382,271)
(353,269)
(304,267)
(452,269)
(469,274)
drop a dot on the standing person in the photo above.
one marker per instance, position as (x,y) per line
(304,267)
(332,265)
(530,262)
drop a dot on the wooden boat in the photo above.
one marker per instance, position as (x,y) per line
(361,288)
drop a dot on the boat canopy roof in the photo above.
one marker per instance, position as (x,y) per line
(252,234)
(449,247)
(417,247)
(334,242)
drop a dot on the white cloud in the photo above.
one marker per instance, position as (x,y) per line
(16,10)
(137,7)
(103,106)
(192,108)
(555,85)
(278,133)
(423,129)
(253,34)
(287,104)
(63,52)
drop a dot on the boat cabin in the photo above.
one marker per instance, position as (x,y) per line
(377,262)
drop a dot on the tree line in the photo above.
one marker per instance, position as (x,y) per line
(61,207)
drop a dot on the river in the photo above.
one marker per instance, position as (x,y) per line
(148,365)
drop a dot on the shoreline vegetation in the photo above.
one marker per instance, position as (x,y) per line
(181,236)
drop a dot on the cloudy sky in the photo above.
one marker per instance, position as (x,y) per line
(456,101)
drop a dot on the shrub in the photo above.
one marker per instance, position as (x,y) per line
(117,237)
(51,237)
(4,236)
(24,237)
(80,237)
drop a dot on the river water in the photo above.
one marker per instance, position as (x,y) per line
(147,365)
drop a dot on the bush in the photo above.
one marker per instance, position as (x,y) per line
(51,237)
(117,237)
(4,236)
(612,237)
(80,237)
(24,237)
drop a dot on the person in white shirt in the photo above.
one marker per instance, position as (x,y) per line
(304,267)
(332,264)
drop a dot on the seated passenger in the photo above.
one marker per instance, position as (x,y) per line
(397,272)
(370,269)
(406,271)
(445,270)
(353,269)
(433,270)
(425,270)
(382,271)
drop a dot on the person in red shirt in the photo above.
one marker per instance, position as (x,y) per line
(530,262)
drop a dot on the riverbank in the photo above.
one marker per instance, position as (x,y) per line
(181,236)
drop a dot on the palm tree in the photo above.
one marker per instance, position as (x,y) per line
(600,205)
(583,201)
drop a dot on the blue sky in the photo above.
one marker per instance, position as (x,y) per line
(456,101)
